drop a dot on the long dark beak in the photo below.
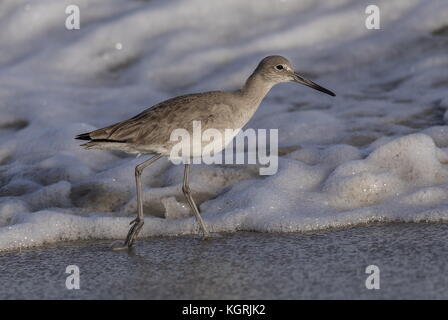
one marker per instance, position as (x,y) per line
(299,79)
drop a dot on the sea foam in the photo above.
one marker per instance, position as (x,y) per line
(376,152)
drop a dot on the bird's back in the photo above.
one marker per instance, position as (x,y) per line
(150,130)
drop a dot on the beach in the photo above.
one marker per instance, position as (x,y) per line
(316,265)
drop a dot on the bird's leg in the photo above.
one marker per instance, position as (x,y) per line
(187,193)
(137,223)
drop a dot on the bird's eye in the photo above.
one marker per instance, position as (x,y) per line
(279,67)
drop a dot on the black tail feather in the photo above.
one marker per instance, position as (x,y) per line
(86,136)
(83,136)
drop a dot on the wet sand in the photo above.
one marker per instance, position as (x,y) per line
(319,265)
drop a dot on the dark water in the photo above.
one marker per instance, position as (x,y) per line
(326,265)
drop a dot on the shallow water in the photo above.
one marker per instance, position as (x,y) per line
(412,259)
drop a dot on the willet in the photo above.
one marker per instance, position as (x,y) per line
(149,132)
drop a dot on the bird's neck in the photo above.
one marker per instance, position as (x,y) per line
(255,89)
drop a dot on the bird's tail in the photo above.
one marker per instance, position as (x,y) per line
(104,145)
(109,144)
(83,136)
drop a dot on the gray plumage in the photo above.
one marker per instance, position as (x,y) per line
(149,131)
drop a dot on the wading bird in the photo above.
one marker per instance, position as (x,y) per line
(149,132)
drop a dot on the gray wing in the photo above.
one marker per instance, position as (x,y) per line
(155,124)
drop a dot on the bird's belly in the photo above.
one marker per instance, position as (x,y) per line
(212,141)
(204,144)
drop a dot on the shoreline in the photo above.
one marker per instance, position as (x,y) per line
(246,265)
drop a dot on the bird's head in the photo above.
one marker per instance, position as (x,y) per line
(277,69)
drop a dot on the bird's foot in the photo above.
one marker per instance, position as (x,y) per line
(137,224)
